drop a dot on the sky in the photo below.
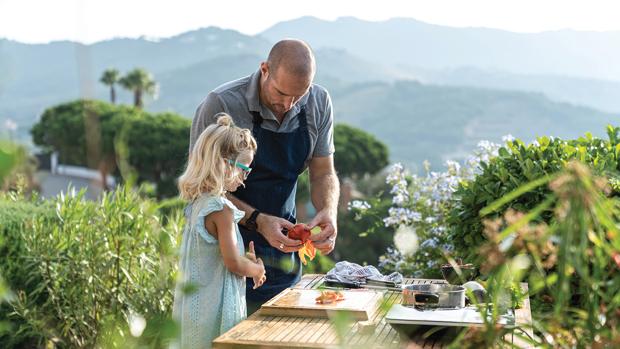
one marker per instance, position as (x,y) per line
(87,21)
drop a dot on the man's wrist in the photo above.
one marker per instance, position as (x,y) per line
(329,211)
(251,223)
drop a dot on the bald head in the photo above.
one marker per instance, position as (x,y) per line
(293,57)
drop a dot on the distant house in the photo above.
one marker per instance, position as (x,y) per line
(55,178)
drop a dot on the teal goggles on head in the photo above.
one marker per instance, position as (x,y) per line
(246,170)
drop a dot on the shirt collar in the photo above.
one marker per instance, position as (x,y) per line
(251,95)
(253,98)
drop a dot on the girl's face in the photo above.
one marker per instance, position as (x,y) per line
(239,172)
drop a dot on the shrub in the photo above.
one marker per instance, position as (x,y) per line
(414,213)
(574,261)
(515,165)
(81,270)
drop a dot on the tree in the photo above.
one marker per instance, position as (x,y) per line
(62,128)
(139,81)
(358,152)
(83,133)
(156,149)
(109,78)
(153,146)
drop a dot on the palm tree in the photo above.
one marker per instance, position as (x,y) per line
(139,81)
(110,78)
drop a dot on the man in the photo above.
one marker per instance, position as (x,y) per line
(292,121)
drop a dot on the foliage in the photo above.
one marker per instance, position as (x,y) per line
(358,152)
(574,260)
(146,147)
(110,78)
(416,211)
(83,271)
(358,238)
(517,164)
(81,131)
(139,81)
(9,158)
(157,147)
(17,167)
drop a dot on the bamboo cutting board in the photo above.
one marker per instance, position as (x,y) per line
(360,304)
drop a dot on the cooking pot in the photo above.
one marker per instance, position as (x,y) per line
(434,296)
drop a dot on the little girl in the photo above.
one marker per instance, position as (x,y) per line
(210,296)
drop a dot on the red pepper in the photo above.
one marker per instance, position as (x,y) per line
(299,232)
(302,233)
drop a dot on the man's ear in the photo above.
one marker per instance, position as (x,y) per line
(264,69)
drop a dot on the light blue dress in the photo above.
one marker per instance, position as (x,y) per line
(217,302)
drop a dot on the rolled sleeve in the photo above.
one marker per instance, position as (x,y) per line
(204,116)
(325,131)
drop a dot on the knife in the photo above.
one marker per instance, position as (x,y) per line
(342,284)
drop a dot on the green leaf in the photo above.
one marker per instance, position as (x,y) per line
(493,207)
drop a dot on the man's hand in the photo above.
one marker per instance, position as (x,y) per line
(325,241)
(271,228)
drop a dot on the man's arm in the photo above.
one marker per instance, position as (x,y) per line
(324,192)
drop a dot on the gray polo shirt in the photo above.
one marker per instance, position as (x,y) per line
(240,97)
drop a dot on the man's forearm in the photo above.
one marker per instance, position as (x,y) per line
(325,192)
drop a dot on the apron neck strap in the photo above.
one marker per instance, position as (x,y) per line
(257,119)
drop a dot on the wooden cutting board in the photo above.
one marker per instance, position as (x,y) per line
(361,304)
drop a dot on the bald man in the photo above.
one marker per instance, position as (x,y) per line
(292,121)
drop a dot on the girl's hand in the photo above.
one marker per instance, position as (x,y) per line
(259,279)
(251,254)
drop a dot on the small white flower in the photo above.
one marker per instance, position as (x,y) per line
(399,199)
(358,205)
(414,216)
(508,138)
(137,324)
(453,167)
(406,240)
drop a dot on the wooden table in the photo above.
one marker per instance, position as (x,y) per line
(259,331)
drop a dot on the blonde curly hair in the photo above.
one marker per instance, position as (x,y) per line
(208,170)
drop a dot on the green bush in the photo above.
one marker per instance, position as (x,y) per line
(81,269)
(573,262)
(516,165)
(362,239)
(358,152)
(16,217)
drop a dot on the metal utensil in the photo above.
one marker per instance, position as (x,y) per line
(434,296)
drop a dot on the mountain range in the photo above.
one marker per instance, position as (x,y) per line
(428,91)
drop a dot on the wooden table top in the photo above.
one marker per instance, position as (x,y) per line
(259,331)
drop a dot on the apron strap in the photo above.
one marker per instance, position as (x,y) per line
(257,119)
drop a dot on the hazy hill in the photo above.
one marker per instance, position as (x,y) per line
(413,43)
(417,121)
(370,76)
(438,122)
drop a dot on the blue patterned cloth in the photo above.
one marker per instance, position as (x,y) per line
(218,300)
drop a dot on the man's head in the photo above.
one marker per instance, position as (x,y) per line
(286,75)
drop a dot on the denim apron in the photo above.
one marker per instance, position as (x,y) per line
(270,188)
